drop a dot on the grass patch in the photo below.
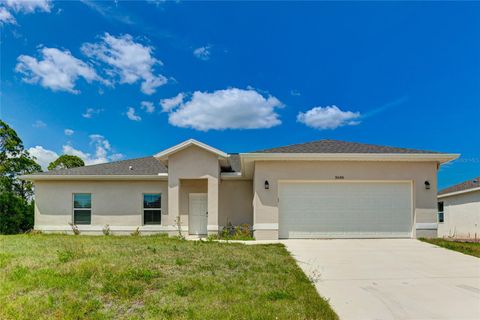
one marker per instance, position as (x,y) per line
(87,277)
(470,248)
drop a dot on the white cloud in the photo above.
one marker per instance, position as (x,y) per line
(128,60)
(169,104)
(68,132)
(329,117)
(202,53)
(43,156)
(91,112)
(29,6)
(226,109)
(39,124)
(156,2)
(295,93)
(132,116)
(56,69)
(6,17)
(116,157)
(109,10)
(148,106)
(103,152)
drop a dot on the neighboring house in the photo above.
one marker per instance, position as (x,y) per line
(319,189)
(459,210)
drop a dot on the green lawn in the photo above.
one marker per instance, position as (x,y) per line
(113,277)
(470,248)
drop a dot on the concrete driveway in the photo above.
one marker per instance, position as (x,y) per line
(391,279)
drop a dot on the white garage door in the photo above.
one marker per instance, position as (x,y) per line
(345,209)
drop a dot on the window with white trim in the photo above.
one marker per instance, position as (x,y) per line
(152,208)
(441,216)
(82,208)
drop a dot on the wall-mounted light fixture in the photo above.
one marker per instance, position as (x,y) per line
(427,185)
(267,185)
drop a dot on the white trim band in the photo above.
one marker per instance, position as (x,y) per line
(458,192)
(426,226)
(98,228)
(440,157)
(265,226)
(213,227)
(34,177)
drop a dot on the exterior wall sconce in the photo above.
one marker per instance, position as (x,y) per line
(427,185)
(267,185)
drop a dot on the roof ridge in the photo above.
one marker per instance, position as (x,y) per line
(412,150)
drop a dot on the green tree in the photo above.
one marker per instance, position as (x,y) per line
(16,204)
(16,214)
(66,161)
(15,161)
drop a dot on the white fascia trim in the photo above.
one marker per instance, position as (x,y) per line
(458,192)
(265,226)
(440,157)
(426,226)
(35,177)
(165,153)
(82,227)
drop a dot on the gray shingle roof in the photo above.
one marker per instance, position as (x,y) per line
(152,166)
(140,166)
(466,185)
(336,146)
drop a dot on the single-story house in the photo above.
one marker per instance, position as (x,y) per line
(319,189)
(459,210)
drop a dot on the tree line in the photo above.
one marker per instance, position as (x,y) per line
(17,204)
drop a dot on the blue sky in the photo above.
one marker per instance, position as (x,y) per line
(107,80)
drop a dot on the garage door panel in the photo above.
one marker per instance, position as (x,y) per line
(347,209)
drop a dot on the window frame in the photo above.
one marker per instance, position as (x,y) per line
(151,209)
(440,212)
(82,209)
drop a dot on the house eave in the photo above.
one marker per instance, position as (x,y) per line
(41,177)
(438,157)
(450,194)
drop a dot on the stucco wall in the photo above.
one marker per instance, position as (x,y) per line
(117,203)
(461,216)
(236,202)
(193,163)
(266,201)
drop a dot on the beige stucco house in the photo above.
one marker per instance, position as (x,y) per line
(459,210)
(319,189)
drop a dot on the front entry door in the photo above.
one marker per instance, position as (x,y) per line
(198,214)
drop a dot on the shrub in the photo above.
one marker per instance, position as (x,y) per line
(231,232)
(136,233)
(106,230)
(75,229)
(178,225)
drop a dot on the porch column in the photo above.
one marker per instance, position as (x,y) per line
(212,227)
(173,202)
